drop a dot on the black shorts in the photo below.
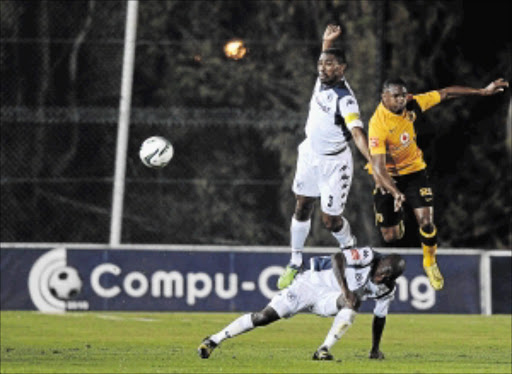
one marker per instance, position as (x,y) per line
(418,193)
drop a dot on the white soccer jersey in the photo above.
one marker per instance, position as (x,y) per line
(357,273)
(333,112)
(316,290)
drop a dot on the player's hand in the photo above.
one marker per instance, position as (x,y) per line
(399,200)
(376,355)
(498,85)
(332,32)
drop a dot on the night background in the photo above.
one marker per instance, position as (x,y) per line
(235,124)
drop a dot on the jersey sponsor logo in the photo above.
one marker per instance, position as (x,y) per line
(355,254)
(405,137)
(374,142)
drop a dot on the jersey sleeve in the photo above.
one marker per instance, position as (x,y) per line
(358,256)
(428,100)
(349,110)
(376,137)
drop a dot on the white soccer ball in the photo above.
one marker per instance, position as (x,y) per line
(156,152)
(65,283)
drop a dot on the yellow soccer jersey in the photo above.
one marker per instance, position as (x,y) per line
(394,135)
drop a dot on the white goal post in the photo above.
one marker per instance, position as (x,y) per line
(124,122)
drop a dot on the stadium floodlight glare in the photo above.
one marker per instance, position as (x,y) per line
(235,49)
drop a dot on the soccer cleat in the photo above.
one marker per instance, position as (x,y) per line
(287,277)
(434,276)
(206,347)
(322,354)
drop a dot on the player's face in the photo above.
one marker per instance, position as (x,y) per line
(394,98)
(382,273)
(329,70)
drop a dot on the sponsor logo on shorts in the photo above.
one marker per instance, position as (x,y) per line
(426,191)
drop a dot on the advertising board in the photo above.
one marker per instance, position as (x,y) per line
(63,279)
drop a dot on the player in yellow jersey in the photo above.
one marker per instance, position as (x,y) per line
(398,163)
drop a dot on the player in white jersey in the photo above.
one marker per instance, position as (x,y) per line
(324,163)
(333,286)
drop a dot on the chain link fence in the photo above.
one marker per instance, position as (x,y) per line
(229,182)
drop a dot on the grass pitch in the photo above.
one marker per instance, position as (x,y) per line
(96,342)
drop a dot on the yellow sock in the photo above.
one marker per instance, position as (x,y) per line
(429,255)
(429,245)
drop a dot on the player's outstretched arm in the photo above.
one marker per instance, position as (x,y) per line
(331,33)
(377,330)
(492,88)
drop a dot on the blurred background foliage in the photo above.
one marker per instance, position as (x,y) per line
(235,124)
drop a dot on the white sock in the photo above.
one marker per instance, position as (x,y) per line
(344,236)
(341,324)
(299,231)
(238,326)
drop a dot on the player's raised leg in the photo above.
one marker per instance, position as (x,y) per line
(340,229)
(299,230)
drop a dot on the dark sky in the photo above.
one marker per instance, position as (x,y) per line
(487,30)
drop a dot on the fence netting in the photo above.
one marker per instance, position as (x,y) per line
(61,64)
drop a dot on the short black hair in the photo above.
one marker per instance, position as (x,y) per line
(397,264)
(393,82)
(339,54)
(393,265)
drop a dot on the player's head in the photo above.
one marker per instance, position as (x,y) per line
(331,65)
(388,268)
(394,95)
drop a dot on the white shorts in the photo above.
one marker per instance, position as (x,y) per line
(329,177)
(304,296)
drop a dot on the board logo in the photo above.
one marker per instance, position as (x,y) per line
(53,285)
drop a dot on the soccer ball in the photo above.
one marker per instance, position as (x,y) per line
(65,283)
(156,152)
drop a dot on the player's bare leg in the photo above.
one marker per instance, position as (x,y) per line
(428,235)
(239,326)
(392,233)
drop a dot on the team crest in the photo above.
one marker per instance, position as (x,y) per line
(410,115)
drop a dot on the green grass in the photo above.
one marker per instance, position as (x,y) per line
(96,342)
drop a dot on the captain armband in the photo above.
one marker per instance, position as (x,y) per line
(351,117)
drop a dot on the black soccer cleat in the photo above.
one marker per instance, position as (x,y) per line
(206,347)
(322,354)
